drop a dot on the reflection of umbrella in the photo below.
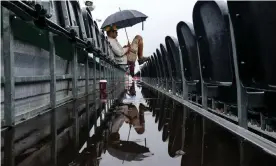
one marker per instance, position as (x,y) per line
(129,151)
(124,18)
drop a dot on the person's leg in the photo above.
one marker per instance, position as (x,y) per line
(141,130)
(131,67)
(143,108)
(138,45)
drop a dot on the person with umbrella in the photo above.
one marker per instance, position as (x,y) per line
(129,53)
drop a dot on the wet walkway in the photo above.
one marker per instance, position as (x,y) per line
(150,129)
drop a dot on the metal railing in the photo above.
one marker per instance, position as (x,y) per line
(100,66)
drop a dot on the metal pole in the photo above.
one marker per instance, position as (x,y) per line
(87,92)
(112,85)
(100,69)
(9,117)
(110,78)
(104,71)
(114,82)
(167,85)
(8,56)
(109,82)
(204,92)
(203,140)
(173,86)
(105,76)
(100,77)
(241,92)
(185,97)
(52,65)
(95,92)
(75,95)
(242,144)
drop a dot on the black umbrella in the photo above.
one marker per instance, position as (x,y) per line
(124,19)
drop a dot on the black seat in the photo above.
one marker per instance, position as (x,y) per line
(163,55)
(167,66)
(215,51)
(71,19)
(143,69)
(90,29)
(189,54)
(162,67)
(211,23)
(147,69)
(254,23)
(103,43)
(152,69)
(76,10)
(159,68)
(98,38)
(39,38)
(174,56)
(188,46)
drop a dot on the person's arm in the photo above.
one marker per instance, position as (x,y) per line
(118,49)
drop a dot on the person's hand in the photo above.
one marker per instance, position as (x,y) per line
(131,50)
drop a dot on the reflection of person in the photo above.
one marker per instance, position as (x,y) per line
(131,90)
(129,113)
(136,119)
(128,150)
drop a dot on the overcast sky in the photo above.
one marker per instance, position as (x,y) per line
(163,16)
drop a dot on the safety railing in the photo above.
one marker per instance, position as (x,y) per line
(53,57)
(222,66)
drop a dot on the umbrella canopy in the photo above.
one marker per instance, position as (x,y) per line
(124,18)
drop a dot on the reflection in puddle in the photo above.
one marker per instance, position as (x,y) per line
(147,128)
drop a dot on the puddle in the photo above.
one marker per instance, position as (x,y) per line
(150,129)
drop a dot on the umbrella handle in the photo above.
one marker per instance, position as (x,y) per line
(127,139)
(129,132)
(127,35)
